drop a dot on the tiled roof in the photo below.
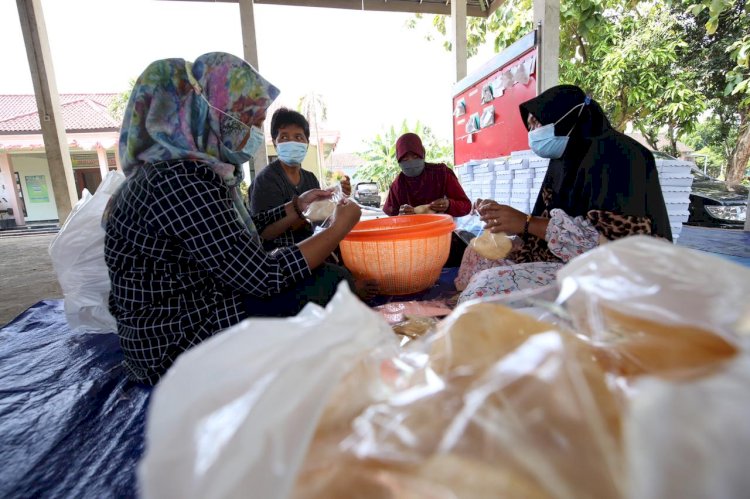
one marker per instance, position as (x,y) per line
(18,113)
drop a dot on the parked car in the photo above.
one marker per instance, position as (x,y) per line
(366,193)
(715,203)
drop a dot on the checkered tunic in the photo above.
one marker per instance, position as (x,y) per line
(180,261)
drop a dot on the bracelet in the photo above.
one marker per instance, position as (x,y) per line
(525,235)
(295,205)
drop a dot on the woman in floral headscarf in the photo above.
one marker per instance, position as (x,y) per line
(185,258)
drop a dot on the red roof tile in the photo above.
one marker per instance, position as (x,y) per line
(18,113)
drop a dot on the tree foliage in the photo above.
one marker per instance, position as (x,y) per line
(313,107)
(118,104)
(379,156)
(659,66)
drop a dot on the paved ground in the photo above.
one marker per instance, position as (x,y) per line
(26,274)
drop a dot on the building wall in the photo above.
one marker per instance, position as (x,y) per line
(36,186)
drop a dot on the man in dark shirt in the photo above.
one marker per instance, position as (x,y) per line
(285,178)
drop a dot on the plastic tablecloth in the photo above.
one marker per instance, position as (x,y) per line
(71,425)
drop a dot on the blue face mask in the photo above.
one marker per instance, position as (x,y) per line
(254,141)
(291,153)
(546,144)
(244,155)
(412,168)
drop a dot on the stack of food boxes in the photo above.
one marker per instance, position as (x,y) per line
(676,182)
(513,180)
(516,180)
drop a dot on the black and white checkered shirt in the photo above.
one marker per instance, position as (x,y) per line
(180,261)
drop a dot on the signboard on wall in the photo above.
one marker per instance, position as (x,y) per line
(486,119)
(36,187)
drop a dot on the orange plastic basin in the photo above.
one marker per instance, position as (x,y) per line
(403,254)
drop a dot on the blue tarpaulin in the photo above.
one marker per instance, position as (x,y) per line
(71,425)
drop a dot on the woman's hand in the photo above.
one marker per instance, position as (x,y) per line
(406,210)
(440,205)
(346,216)
(501,218)
(309,197)
(346,186)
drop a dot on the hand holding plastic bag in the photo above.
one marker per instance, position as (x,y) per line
(321,212)
(77,254)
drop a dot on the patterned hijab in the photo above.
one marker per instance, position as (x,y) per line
(167,118)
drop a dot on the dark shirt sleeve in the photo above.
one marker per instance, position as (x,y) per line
(460,204)
(265,193)
(266,218)
(198,213)
(393,201)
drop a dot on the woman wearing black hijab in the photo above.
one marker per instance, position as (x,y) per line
(600,185)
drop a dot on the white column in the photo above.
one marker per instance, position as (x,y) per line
(250,53)
(548,12)
(458,24)
(101,153)
(8,178)
(48,105)
(117,155)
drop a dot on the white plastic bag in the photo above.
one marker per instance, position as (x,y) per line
(77,254)
(233,417)
(691,439)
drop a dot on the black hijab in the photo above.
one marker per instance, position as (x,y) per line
(601,168)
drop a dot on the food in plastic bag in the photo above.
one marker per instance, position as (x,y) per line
(319,211)
(77,254)
(233,416)
(680,309)
(688,439)
(414,327)
(492,403)
(495,404)
(500,393)
(492,245)
(322,210)
(423,209)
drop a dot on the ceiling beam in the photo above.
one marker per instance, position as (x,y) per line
(406,6)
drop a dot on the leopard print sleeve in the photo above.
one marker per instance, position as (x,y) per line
(567,237)
(615,226)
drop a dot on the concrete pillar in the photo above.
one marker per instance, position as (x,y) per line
(250,53)
(101,153)
(458,24)
(747,219)
(548,65)
(117,156)
(8,179)
(48,105)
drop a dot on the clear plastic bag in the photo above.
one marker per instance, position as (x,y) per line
(234,415)
(497,403)
(77,254)
(522,395)
(320,213)
(492,245)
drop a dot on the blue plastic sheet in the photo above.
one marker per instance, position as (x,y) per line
(71,425)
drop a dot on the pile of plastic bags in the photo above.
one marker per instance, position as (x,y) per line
(633,382)
(77,254)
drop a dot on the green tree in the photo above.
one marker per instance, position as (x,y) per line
(379,156)
(118,104)
(625,52)
(722,51)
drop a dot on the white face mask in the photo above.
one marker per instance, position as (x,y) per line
(546,144)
